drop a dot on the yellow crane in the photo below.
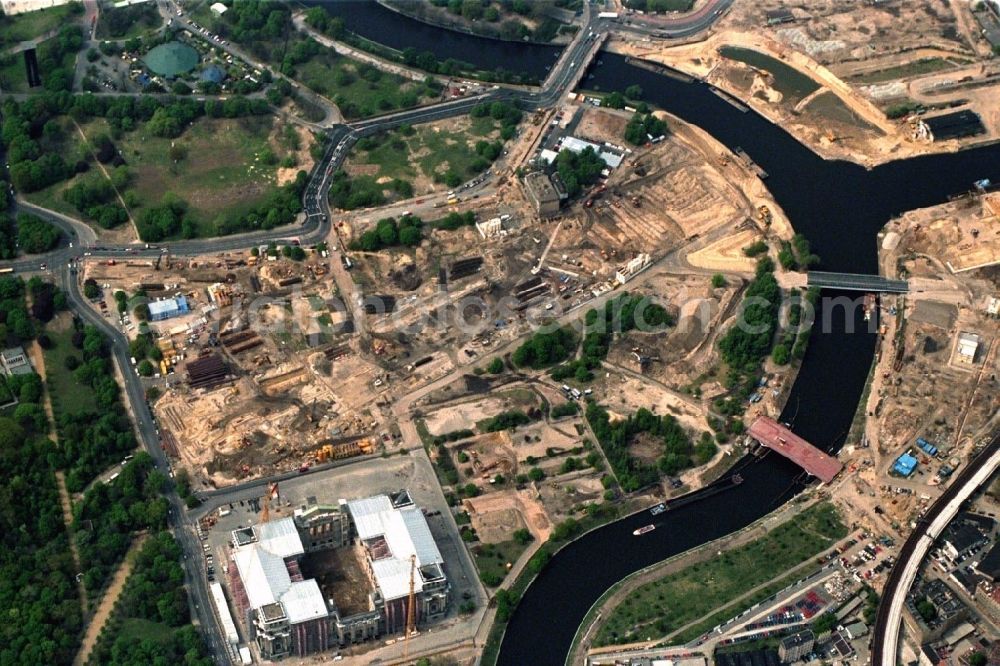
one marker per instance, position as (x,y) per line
(411,607)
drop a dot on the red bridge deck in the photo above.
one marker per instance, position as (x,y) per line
(777,437)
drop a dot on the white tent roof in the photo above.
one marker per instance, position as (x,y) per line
(265,577)
(303,601)
(406,532)
(280,537)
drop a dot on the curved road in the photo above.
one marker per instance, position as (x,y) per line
(81,241)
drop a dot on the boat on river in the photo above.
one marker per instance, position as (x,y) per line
(658,509)
(644,530)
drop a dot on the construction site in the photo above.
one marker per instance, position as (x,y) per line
(255,369)
(937,347)
(853,80)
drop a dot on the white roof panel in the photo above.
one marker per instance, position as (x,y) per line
(420,536)
(303,601)
(280,537)
(393,578)
(263,574)
(406,533)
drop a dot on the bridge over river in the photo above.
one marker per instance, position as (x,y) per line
(857,282)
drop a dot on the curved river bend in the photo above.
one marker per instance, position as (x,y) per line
(838,205)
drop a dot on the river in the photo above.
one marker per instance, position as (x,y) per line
(379,24)
(840,206)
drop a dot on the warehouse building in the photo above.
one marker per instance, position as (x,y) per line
(376,546)
(168,308)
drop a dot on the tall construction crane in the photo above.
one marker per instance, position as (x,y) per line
(411,608)
(272,493)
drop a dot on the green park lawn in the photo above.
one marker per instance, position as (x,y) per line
(31,25)
(68,395)
(492,558)
(358,89)
(222,170)
(427,152)
(665,605)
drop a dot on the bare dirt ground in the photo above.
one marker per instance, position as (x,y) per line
(303,158)
(726,254)
(497,516)
(600,125)
(846,126)
(107,605)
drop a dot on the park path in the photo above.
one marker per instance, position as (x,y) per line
(107,604)
(86,141)
(67,510)
(38,360)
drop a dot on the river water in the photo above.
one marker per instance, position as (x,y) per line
(838,205)
(373,21)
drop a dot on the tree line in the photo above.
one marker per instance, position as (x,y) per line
(153,593)
(615,439)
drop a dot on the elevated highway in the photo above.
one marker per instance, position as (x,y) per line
(857,282)
(885,634)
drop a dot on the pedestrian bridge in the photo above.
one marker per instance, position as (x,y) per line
(857,282)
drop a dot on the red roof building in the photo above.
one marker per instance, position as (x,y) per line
(777,437)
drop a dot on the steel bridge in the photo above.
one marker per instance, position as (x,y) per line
(857,282)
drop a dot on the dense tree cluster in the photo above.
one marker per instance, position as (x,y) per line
(389,232)
(505,421)
(16,326)
(455,220)
(619,315)
(93,440)
(8,234)
(52,53)
(644,127)
(659,6)
(278,208)
(577,170)
(348,193)
(545,348)
(184,647)
(615,439)
(797,254)
(165,220)
(35,234)
(46,300)
(115,22)
(37,594)
(155,590)
(746,344)
(260,25)
(95,198)
(108,514)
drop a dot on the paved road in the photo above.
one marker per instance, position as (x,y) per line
(196,583)
(677,28)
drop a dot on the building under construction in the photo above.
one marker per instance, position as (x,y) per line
(400,575)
